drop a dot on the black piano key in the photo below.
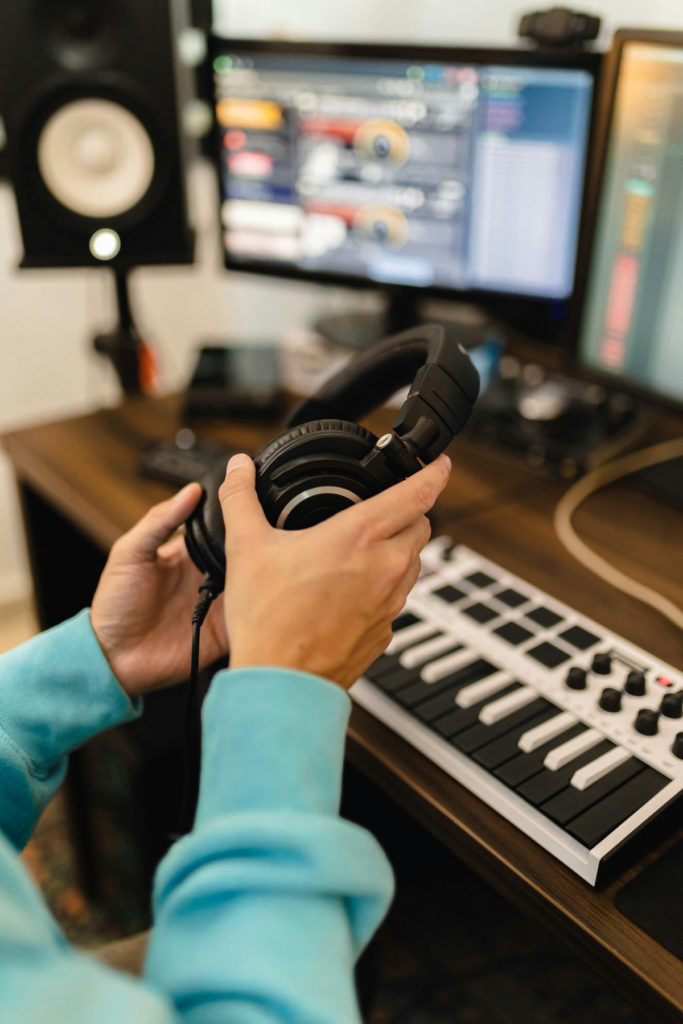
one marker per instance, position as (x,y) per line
(480,734)
(403,620)
(606,815)
(547,783)
(571,802)
(397,679)
(458,718)
(524,765)
(390,675)
(498,751)
(385,664)
(478,668)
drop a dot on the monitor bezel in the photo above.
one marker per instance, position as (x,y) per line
(603,121)
(589,61)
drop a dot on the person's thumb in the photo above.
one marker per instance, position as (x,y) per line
(159,523)
(242,512)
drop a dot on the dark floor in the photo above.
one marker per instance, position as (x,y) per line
(451,951)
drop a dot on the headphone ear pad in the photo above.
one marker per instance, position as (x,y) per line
(327,428)
(205,529)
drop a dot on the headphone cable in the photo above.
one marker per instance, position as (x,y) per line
(192,732)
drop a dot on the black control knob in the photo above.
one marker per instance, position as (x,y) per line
(576,678)
(635,683)
(677,748)
(646,722)
(602,664)
(672,704)
(610,699)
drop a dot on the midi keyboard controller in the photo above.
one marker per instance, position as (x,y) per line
(569,731)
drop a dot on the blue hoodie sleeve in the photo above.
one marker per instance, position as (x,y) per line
(260,912)
(56,692)
(283,893)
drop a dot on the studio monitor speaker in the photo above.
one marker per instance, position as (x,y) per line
(90,91)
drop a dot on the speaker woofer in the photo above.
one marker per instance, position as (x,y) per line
(96,158)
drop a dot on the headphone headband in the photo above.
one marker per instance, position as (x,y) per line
(443,390)
(327,461)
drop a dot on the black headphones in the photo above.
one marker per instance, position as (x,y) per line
(324,463)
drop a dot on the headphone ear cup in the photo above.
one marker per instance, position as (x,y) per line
(303,476)
(316,469)
(205,529)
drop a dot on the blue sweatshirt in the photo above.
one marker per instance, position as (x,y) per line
(259,913)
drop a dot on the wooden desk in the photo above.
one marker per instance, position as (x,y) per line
(80,490)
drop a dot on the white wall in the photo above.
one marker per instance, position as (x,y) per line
(429,21)
(48,318)
(47,369)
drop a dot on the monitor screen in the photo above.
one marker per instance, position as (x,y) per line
(633,318)
(454,171)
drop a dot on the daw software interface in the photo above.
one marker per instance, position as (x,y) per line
(633,324)
(457,175)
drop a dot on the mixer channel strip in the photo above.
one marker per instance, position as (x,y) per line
(566,729)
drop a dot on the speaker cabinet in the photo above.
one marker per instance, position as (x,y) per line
(90,91)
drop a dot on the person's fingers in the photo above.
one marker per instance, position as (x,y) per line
(396,507)
(406,586)
(160,523)
(412,538)
(244,518)
(174,551)
(411,577)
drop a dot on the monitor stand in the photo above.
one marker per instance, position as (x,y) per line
(359,330)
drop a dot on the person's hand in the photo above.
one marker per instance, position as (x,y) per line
(142,609)
(322,599)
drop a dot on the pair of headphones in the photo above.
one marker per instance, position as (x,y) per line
(324,462)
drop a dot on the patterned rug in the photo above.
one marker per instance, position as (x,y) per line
(50,858)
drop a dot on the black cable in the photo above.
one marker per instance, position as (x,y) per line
(192,737)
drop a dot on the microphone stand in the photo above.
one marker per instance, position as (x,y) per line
(123,345)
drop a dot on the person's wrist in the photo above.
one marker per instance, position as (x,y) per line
(110,651)
(290,663)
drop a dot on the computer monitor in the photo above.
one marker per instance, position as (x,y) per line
(632,328)
(455,172)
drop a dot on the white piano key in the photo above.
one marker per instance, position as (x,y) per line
(540,734)
(590,773)
(475,692)
(427,651)
(410,635)
(558,757)
(437,670)
(504,706)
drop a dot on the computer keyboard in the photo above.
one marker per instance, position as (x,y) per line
(181,460)
(571,732)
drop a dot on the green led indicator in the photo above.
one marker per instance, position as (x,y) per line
(222,64)
(416,73)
